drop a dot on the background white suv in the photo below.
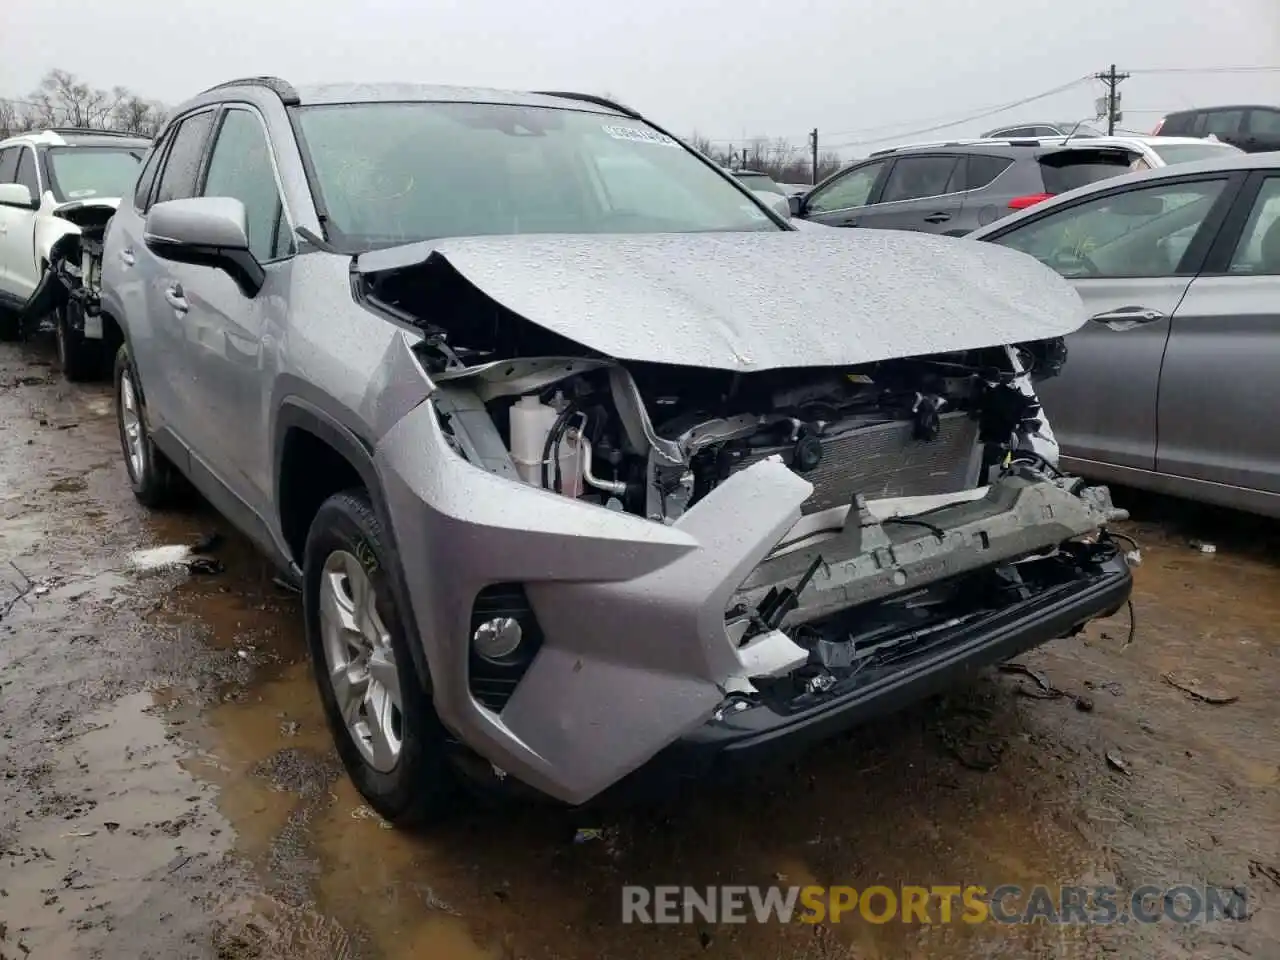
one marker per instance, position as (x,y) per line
(53,184)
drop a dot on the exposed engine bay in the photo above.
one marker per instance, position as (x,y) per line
(74,275)
(654,440)
(936,499)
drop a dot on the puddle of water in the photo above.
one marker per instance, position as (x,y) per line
(137,816)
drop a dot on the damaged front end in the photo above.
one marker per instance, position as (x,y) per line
(69,291)
(717,557)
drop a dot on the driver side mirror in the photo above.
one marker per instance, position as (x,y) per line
(17,195)
(795,203)
(208,232)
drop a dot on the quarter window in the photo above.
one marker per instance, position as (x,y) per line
(1137,233)
(851,190)
(178,181)
(147,178)
(240,167)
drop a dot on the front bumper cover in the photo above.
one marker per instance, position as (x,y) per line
(636,652)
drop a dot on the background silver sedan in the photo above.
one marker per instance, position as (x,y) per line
(1174,385)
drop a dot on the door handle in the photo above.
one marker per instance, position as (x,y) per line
(937,218)
(126,257)
(175,298)
(851,222)
(1126,318)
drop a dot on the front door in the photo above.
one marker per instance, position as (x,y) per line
(843,200)
(170,386)
(226,327)
(1219,392)
(1127,254)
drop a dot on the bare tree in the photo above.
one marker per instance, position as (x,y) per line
(64,100)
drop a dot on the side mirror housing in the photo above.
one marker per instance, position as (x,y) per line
(775,202)
(795,203)
(205,231)
(17,195)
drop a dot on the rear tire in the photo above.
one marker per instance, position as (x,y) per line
(387,733)
(79,357)
(151,475)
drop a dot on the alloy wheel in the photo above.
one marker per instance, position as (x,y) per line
(360,661)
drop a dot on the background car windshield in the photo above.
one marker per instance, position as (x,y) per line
(392,173)
(83,173)
(1187,152)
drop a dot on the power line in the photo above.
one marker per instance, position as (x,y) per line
(1155,70)
(981,115)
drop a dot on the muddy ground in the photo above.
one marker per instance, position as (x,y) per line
(167,788)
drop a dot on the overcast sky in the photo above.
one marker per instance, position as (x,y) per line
(725,69)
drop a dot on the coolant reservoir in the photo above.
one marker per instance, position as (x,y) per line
(531,421)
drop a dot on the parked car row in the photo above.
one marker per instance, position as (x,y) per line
(588,466)
(955,187)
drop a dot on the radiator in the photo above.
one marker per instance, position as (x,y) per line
(884,460)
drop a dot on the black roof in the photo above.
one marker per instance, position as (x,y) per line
(1229,106)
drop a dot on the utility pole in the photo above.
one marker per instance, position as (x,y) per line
(1111,102)
(813,147)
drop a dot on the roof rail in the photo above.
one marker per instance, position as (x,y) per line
(91,131)
(590,98)
(281,88)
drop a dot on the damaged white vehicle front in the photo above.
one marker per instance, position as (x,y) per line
(675,500)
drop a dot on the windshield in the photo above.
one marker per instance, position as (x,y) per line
(393,173)
(84,173)
(1187,152)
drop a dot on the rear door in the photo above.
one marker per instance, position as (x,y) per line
(1131,254)
(1219,389)
(843,199)
(1261,130)
(922,192)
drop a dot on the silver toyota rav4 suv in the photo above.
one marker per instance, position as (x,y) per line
(589,466)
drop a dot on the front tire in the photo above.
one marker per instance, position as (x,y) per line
(10,327)
(150,473)
(79,357)
(382,721)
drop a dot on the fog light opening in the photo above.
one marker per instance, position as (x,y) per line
(497,638)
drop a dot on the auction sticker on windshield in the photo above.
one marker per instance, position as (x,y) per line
(639,135)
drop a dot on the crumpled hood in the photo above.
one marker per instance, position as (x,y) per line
(755,301)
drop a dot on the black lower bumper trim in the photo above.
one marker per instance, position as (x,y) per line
(747,738)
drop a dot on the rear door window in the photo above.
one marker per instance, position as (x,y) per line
(183,164)
(913,178)
(1223,123)
(1068,169)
